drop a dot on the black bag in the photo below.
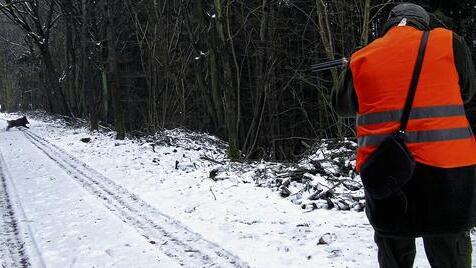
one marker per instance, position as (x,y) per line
(390,168)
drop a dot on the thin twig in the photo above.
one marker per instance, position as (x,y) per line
(214,196)
(204,157)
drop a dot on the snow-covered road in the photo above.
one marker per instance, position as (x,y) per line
(12,250)
(62,224)
(66,203)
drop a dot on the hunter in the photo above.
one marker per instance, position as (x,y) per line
(440,198)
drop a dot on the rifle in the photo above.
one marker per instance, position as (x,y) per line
(329,65)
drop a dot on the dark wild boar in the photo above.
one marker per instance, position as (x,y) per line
(20,122)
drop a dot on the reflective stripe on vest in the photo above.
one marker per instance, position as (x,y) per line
(421,136)
(416,113)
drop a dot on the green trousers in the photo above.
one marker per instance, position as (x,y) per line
(448,251)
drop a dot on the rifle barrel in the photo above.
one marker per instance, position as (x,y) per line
(329,65)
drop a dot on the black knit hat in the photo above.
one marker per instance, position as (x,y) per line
(415,15)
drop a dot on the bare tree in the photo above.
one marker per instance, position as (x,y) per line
(37,19)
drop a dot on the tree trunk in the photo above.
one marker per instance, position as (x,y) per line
(230,92)
(114,84)
(55,93)
(364,39)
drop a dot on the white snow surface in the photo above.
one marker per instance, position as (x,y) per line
(64,225)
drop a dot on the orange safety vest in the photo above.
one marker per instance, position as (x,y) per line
(438,132)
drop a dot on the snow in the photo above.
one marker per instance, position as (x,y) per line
(69,226)
(169,173)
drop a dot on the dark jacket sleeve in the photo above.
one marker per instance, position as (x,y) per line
(467,77)
(344,98)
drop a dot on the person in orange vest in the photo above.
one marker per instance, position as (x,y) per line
(439,201)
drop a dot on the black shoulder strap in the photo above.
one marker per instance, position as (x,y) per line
(413,86)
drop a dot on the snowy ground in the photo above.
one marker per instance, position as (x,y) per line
(129,204)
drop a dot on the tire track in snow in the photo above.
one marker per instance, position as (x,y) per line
(12,250)
(174,239)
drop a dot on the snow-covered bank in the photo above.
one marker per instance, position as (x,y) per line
(254,223)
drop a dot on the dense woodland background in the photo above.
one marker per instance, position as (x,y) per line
(239,69)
